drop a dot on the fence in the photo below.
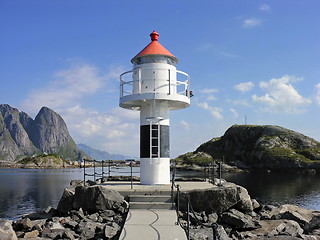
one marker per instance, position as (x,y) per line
(106,164)
(211,171)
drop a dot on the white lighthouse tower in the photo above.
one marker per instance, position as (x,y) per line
(152,87)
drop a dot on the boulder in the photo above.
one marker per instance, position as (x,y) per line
(48,212)
(218,199)
(111,230)
(96,198)
(66,201)
(53,233)
(6,230)
(32,234)
(313,224)
(220,233)
(212,217)
(237,219)
(287,227)
(23,225)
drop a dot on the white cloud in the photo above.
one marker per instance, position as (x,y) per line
(228,55)
(234,112)
(244,87)
(208,90)
(205,47)
(318,93)
(185,125)
(68,87)
(251,22)
(265,7)
(214,111)
(211,98)
(109,131)
(281,96)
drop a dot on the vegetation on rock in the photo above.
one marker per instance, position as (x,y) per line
(254,146)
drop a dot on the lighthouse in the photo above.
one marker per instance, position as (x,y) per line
(154,87)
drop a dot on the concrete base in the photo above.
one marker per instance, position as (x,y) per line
(154,171)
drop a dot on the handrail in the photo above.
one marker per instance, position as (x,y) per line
(101,174)
(177,83)
(189,207)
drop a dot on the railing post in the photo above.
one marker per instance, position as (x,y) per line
(131,173)
(84,172)
(94,169)
(188,219)
(102,171)
(109,168)
(220,173)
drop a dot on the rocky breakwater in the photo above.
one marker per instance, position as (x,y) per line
(228,212)
(84,212)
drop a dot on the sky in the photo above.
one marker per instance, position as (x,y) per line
(254,62)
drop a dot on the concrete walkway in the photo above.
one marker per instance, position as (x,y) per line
(152,224)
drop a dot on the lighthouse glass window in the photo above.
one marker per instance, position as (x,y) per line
(155,59)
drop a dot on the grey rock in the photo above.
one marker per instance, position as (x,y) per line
(23,225)
(93,217)
(66,201)
(255,204)
(68,235)
(39,224)
(289,228)
(53,233)
(237,219)
(54,225)
(32,234)
(48,212)
(218,199)
(220,233)
(86,230)
(6,230)
(95,198)
(71,224)
(295,216)
(313,224)
(111,230)
(212,217)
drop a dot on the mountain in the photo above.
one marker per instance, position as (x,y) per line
(21,136)
(101,155)
(265,146)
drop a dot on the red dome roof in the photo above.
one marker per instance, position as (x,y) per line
(154,48)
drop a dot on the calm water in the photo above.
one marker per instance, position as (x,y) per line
(25,190)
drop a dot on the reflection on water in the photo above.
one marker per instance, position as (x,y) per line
(281,187)
(23,191)
(276,187)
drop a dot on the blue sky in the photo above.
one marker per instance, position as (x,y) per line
(258,60)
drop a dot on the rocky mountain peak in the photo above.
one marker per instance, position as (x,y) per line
(20,135)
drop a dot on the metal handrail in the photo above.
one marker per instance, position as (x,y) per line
(177,83)
(101,174)
(189,207)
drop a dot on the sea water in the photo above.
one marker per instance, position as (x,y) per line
(24,191)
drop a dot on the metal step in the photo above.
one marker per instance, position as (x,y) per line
(150,205)
(150,198)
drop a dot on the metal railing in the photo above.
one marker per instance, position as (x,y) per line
(127,87)
(103,164)
(190,210)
